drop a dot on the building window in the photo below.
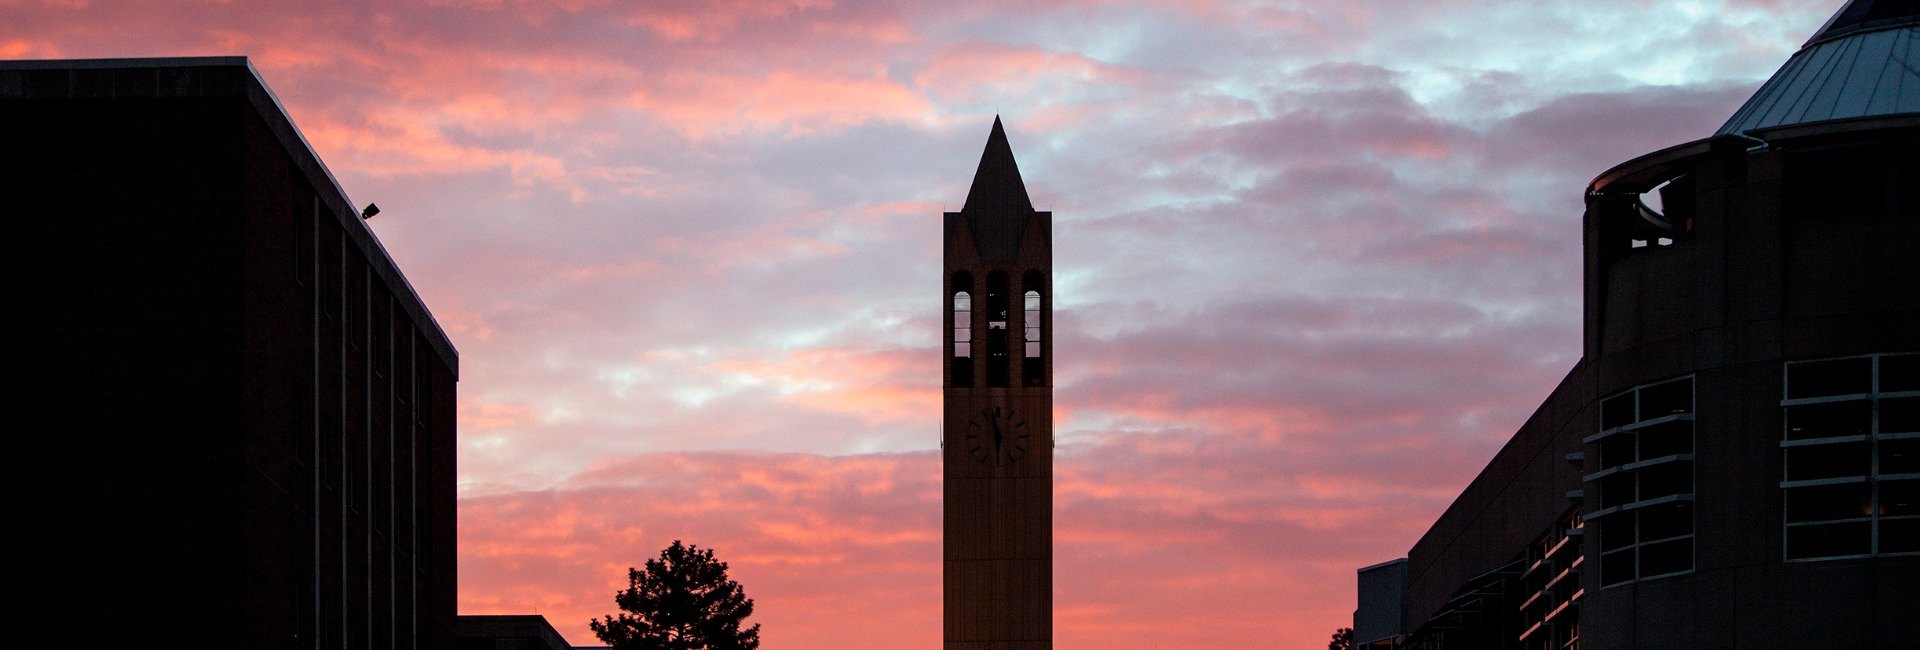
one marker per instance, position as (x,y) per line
(1672,222)
(1645,482)
(1032,320)
(962,361)
(997,363)
(1550,586)
(1033,369)
(1851,457)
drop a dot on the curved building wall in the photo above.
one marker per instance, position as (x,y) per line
(1805,247)
(1660,457)
(1735,461)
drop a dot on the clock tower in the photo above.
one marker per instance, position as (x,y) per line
(997,434)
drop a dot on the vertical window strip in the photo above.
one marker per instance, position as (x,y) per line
(961,362)
(1033,369)
(962,325)
(1645,450)
(1032,319)
(999,368)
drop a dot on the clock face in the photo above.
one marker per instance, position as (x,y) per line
(997,436)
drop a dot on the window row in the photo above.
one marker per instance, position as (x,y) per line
(1850,480)
(995,346)
(1851,456)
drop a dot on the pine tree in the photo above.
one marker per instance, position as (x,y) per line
(682,601)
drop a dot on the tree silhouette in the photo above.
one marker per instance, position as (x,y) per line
(682,601)
(1342,639)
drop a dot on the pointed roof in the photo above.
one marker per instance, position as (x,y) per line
(997,206)
(1864,15)
(996,184)
(1865,62)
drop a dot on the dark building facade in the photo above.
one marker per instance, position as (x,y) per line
(236,420)
(1735,461)
(997,436)
(508,632)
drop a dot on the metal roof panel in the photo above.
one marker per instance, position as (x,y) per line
(1863,73)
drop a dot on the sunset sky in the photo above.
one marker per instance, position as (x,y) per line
(1315,262)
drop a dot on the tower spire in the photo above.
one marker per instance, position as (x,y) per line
(997,188)
(997,207)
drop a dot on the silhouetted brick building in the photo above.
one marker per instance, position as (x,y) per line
(1735,461)
(234,418)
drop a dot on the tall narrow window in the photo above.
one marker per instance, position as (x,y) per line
(1645,482)
(997,364)
(1852,452)
(962,361)
(1033,370)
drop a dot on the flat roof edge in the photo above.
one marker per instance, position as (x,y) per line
(1377,565)
(344,211)
(268,107)
(121,64)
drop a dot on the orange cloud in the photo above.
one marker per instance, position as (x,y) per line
(492,415)
(828,545)
(820,543)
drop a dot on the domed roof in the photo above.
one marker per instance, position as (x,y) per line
(1864,62)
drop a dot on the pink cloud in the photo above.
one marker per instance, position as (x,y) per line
(974,72)
(706,105)
(878,386)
